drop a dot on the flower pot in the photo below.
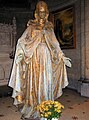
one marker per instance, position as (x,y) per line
(46,119)
(54,118)
(43,118)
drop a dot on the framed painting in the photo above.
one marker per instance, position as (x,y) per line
(64,27)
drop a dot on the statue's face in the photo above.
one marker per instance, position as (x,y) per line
(42,13)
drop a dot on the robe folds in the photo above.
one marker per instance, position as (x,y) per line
(39,70)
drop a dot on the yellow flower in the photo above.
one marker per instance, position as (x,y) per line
(49,113)
(42,106)
(62,106)
(50,106)
(56,102)
(46,115)
(58,111)
(56,105)
(47,108)
(52,102)
(41,109)
(41,115)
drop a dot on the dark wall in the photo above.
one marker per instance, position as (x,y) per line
(22,16)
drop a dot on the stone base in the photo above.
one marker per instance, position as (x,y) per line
(83,88)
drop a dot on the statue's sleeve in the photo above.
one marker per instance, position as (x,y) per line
(61,55)
(15,77)
(21,45)
(56,44)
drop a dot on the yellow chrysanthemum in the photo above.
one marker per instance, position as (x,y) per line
(50,106)
(56,102)
(46,115)
(59,107)
(58,111)
(47,108)
(62,106)
(41,115)
(49,113)
(41,109)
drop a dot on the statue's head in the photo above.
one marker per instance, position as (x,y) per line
(41,11)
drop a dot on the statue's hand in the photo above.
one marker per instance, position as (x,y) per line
(67,61)
(19,58)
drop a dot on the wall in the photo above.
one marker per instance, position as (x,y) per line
(22,15)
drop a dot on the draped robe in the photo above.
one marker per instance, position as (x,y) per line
(39,71)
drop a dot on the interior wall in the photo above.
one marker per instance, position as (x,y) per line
(22,16)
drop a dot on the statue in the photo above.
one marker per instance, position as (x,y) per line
(39,69)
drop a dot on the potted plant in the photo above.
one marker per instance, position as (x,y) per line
(50,109)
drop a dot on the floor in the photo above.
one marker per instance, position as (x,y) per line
(76,107)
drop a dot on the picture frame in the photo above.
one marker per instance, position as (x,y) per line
(64,27)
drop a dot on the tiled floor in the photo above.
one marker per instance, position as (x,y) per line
(76,107)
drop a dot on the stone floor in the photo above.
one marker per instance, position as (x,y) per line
(76,107)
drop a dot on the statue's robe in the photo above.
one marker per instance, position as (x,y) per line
(39,71)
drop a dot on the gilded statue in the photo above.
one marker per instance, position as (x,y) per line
(39,69)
